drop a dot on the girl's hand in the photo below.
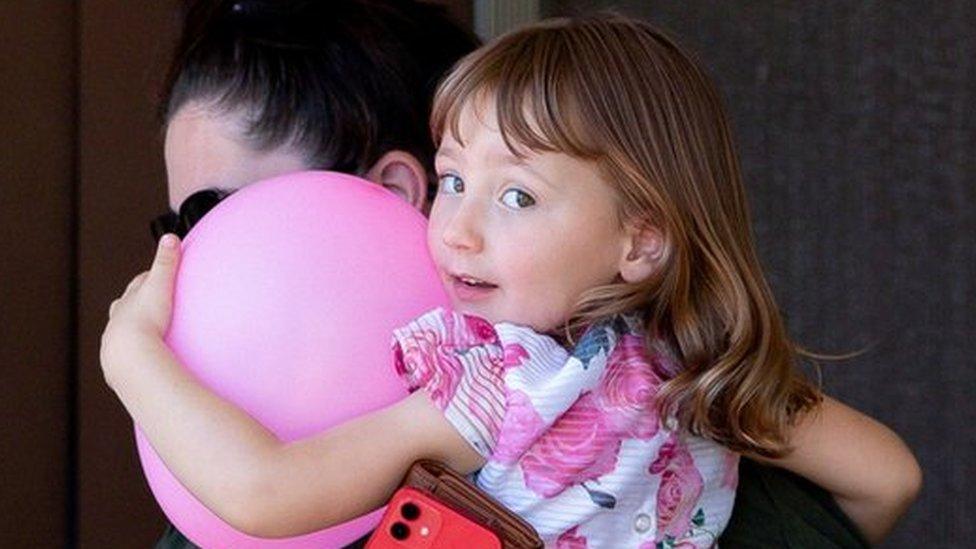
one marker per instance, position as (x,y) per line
(867,468)
(142,314)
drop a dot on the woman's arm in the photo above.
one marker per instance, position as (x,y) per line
(236,467)
(871,473)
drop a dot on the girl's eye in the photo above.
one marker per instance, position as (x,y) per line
(450,184)
(514,198)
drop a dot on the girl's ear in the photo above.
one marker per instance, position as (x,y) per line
(643,253)
(403,174)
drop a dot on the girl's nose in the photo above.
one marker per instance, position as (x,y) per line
(462,233)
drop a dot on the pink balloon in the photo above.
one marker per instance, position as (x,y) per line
(285,303)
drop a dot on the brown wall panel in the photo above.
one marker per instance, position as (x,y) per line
(123,50)
(36,163)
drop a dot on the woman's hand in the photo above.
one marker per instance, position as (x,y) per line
(141,316)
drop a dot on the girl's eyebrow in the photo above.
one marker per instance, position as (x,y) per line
(448,151)
(507,157)
(522,163)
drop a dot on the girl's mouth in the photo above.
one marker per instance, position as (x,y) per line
(468,288)
(472,281)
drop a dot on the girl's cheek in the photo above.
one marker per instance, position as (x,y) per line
(433,234)
(434,246)
(435,227)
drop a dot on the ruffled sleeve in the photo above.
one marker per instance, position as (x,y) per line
(458,360)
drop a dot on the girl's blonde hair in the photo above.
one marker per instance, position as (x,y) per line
(620,93)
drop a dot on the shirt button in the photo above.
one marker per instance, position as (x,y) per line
(642,523)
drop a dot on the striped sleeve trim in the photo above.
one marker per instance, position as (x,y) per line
(457,360)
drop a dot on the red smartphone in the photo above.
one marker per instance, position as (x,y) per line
(415,520)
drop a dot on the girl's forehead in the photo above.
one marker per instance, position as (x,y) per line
(477,121)
(477,114)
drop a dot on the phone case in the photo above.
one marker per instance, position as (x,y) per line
(415,520)
(458,493)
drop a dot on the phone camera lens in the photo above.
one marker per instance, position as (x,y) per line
(410,511)
(399,531)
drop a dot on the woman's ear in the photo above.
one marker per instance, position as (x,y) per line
(403,174)
(643,253)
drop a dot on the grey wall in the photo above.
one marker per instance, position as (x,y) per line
(856,128)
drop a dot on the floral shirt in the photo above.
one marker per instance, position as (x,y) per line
(572,439)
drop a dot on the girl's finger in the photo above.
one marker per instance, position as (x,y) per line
(162,274)
(136,282)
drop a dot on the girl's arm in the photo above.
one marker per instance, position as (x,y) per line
(871,473)
(232,464)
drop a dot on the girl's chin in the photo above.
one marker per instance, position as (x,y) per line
(496,319)
(473,310)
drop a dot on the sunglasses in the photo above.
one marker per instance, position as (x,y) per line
(192,210)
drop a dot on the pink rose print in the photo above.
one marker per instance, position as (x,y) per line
(478,332)
(520,428)
(463,331)
(681,486)
(452,334)
(578,447)
(571,540)
(627,390)
(584,442)
(515,355)
(425,362)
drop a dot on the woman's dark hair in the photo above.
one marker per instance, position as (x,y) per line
(343,81)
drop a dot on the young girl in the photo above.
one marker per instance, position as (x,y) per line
(612,345)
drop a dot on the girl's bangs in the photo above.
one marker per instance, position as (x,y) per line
(528,82)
